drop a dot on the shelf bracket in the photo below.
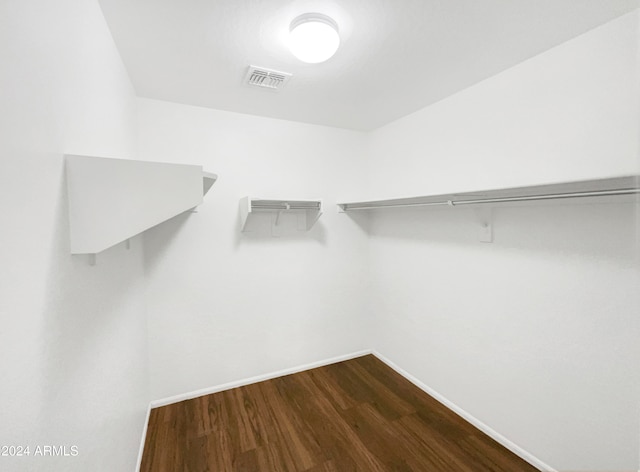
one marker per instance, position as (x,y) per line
(276,227)
(485,219)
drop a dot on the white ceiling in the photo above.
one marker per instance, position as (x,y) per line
(396,56)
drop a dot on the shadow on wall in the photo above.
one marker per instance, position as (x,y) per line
(362,219)
(282,228)
(606,229)
(94,369)
(157,240)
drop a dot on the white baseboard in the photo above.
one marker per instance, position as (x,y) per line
(251,380)
(143,438)
(517,450)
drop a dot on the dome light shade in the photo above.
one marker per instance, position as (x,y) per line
(313,37)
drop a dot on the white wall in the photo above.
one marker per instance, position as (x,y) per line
(568,114)
(536,334)
(225,305)
(72,336)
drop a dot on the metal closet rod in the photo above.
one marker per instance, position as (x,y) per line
(284,207)
(551,196)
(548,196)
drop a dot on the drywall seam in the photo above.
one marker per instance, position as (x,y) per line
(519,451)
(143,438)
(251,380)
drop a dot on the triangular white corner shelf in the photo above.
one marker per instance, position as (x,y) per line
(312,209)
(112,200)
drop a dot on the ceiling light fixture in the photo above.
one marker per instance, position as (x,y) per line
(313,37)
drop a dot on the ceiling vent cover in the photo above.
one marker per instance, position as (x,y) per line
(266,78)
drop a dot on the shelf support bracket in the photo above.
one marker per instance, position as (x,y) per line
(279,213)
(485,219)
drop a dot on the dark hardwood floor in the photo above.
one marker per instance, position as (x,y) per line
(357,415)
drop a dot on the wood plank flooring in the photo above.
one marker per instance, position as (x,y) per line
(357,415)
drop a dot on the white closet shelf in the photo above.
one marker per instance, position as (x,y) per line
(312,209)
(609,187)
(112,200)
